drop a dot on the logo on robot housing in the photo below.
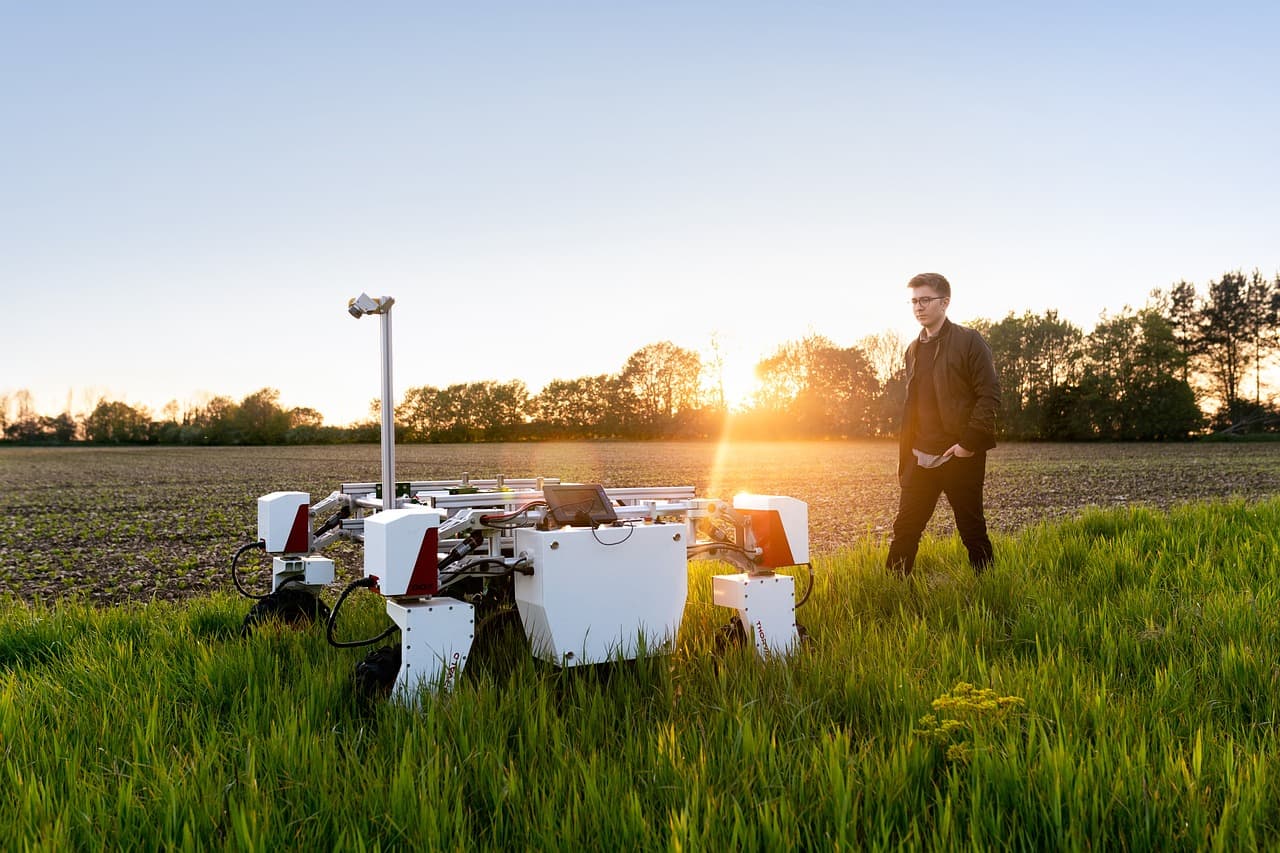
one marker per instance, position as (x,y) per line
(452,672)
(764,644)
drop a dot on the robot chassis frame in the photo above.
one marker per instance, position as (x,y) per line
(450,551)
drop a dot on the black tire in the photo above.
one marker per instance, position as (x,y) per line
(731,636)
(376,674)
(290,606)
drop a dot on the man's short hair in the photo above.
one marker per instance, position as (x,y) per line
(932,279)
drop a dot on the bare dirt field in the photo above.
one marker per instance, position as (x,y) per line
(121,524)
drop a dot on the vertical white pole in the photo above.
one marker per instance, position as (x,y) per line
(388,419)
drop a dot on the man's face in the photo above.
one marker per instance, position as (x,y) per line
(928,307)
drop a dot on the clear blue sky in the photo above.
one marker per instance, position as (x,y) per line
(192,192)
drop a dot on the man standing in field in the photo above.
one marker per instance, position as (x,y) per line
(948,425)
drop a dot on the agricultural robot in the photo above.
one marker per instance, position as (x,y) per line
(593,574)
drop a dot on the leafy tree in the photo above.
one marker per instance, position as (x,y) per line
(259,419)
(41,429)
(890,402)
(302,416)
(663,380)
(63,427)
(29,430)
(498,408)
(579,408)
(1232,329)
(306,426)
(815,388)
(884,353)
(1068,412)
(1248,418)
(783,375)
(416,414)
(1132,388)
(453,417)
(1161,404)
(114,422)
(428,413)
(1035,355)
(1225,334)
(1181,308)
(473,411)
(1262,298)
(839,394)
(213,423)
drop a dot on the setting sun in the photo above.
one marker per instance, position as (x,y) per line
(738,378)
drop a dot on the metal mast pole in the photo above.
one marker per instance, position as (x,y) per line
(388,418)
(358,307)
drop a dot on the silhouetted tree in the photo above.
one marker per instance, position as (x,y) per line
(499,408)
(417,415)
(114,422)
(1034,355)
(1180,306)
(1225,335)
(812,387)
(578,408)
(213,423)
(1131,386)
(884,352)
(1262,299)
(259,419)
(664,380)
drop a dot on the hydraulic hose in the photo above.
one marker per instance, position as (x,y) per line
(808,589)
(333,619)
(235,569)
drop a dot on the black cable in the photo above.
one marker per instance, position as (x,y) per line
(470,542)
(235,569)
(470,570)
(718,546)
(487,561)
(519,525)
(801,602)
(702,547)
(631,528)
(488,520)
(333,620)
(334,521)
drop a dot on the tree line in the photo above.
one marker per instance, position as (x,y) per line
(1191,360)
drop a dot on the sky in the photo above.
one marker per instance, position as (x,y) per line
(192,192)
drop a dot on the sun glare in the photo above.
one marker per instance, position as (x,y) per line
(738,377)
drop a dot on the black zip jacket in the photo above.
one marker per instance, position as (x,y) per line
(967,387)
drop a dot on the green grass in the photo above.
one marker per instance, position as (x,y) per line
(1125,696)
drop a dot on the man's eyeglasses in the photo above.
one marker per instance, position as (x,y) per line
(924,300)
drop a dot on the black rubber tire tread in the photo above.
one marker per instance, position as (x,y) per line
(732,635)
(290,606)
(376,674)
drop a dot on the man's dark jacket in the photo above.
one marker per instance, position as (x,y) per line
(968,389)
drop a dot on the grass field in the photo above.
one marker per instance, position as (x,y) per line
(1111,683)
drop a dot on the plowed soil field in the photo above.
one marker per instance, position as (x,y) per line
(136,524)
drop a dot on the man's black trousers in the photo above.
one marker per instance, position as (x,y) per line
(960,479)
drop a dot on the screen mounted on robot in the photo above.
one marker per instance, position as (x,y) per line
(580,505)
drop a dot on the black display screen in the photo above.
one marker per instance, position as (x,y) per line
(581,505)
